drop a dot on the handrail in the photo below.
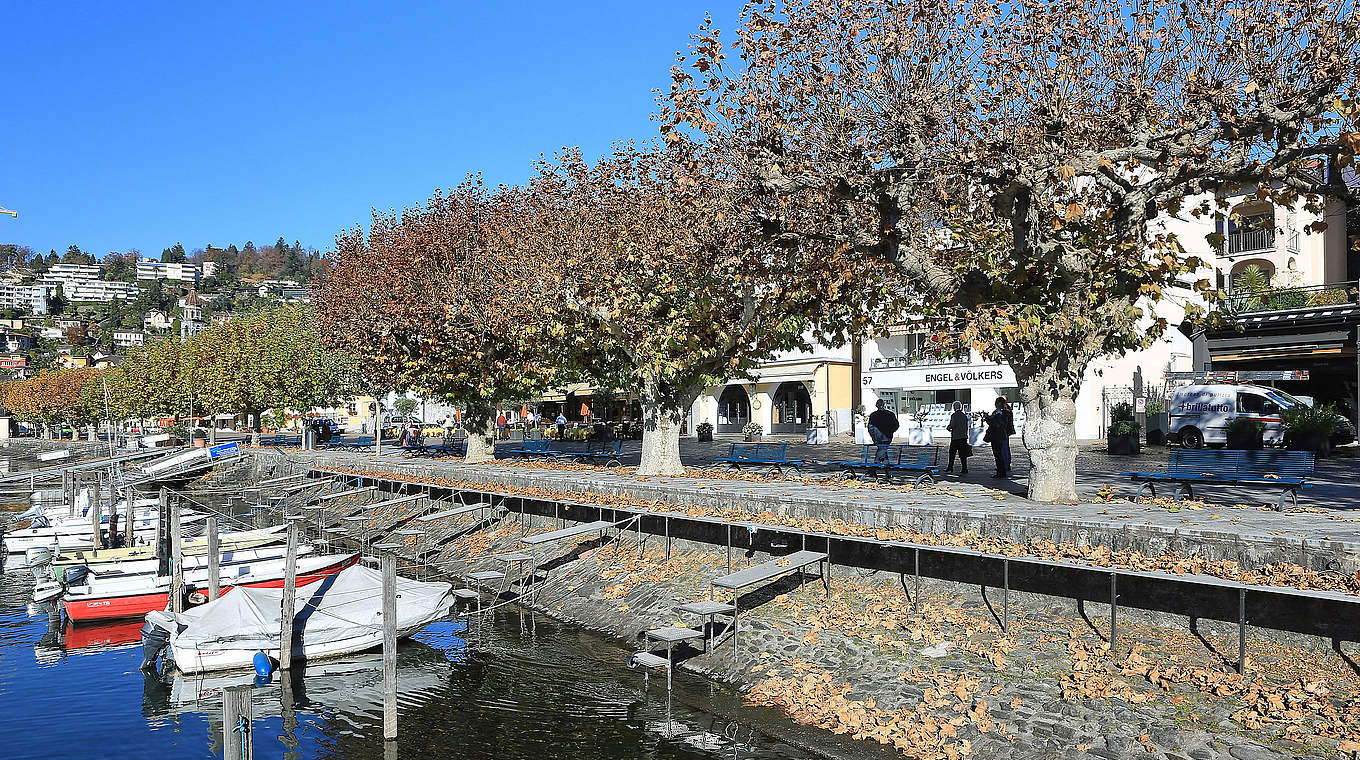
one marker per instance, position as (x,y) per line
(1299,297)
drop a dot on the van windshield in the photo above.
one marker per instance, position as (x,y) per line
(1284,399)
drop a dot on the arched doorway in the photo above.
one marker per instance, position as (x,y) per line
(792,411)
(734,409)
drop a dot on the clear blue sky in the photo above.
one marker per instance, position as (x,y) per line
(137,125)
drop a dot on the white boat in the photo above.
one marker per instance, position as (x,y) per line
(337,616)
(68,533)
(192,562)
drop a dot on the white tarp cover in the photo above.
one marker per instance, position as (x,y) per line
(328,610)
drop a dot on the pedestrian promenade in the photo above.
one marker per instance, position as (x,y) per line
(1323,532)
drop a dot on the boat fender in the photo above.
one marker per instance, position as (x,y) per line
(264,664)
(154,641)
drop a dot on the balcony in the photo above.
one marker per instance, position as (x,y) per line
(1251,241)
(915,360)
(1282,299)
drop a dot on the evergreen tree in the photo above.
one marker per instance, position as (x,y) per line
(75,256)
(174,254)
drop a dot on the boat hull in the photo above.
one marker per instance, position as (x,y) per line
(89,610)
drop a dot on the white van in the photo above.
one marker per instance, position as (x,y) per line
(1200,413)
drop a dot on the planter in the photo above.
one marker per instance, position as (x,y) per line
(1158,425)
(750,437)
(1317,443)
(818,436)
(1122,444)
(1251,441)
(705,436)
(919,437)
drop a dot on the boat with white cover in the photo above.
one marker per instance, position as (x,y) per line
(339,615)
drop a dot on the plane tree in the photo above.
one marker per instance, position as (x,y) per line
(1016,160)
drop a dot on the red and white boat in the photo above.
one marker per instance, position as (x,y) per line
(116,598)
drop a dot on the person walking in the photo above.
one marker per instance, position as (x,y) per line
(958,438)
(1000,428)
(883,425)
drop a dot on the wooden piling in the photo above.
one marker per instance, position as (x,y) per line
(95,514)
(289,602)
(163,531)
(128,525)
(214,557)
(237,715)
(176,560)
(389,615)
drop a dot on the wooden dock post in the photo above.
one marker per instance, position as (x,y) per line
(95,514)
(237,715)
(389,614)
(289,603)
(176,560)
(163,531)
(128,525)
(214,557)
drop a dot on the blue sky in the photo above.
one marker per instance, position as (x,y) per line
(137,125)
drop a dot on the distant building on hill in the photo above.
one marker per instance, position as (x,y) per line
(156,319)
(30,298)
(127,338)
(150,269)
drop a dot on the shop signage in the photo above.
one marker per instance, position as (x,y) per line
(961,376)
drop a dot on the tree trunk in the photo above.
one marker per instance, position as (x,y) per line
(481,427)
(254,428)
(1049,395)
(662,415)
(212,430)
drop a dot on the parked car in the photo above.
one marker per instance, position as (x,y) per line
(1200,413)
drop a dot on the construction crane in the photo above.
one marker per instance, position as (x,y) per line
(4,210)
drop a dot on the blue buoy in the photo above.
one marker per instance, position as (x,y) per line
(264,664)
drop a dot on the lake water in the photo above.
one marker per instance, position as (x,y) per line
(518,685)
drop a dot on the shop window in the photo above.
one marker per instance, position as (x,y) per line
(734,409)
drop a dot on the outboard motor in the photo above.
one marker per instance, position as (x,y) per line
(154,641)
(76,575)
(38,559)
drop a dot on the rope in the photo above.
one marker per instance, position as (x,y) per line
(242,728)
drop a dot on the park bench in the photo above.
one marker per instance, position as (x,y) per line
(886,459)
(598,452)
(771,456)
(767,571)
(1286,470)
(359,442)
(533,448)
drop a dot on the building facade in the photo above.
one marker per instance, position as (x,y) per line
(789,395)
(150,269)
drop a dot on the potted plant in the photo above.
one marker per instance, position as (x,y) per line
(1245,433)
(1123,434)
(818,432)
(704,430)
(179,432)
(920,435)
(1310,428)
(1158,421)
(752,431)
(198,438)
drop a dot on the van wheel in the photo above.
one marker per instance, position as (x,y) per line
(1191,438)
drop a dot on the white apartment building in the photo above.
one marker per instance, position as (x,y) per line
(30,298)
(126,338)
(103,291)
(150,269)
(73,272)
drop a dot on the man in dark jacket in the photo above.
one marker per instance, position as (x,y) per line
(883,425)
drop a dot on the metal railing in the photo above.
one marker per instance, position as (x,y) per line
(1280,299)
(1248,241)
(915,360)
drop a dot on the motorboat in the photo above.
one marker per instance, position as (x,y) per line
(150,566)
(241,539)
(115,598)
(340,615)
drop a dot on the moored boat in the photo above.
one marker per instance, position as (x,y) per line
(244,539)
(341,615)
(135,596)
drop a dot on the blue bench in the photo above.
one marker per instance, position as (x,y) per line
(773,456)
(604,453)
(540,447)
(883,459)
(1286,470)
(362,441)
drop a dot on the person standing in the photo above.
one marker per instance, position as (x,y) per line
(883,425)
(561,426)
(958,438)
(502,427)
(1000,428)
